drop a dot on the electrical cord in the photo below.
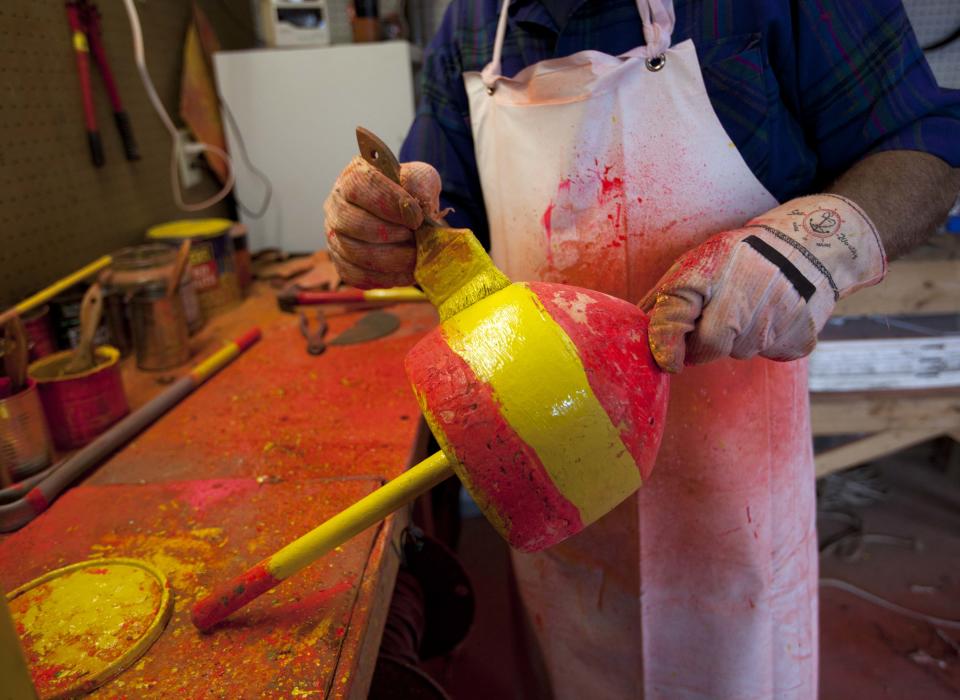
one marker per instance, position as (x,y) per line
(242,148)
(141,63)
(945,41)
(887,605)
(859,488)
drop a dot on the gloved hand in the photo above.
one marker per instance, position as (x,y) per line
(767,288)
(370,222)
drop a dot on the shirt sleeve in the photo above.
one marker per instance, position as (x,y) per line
(441,133)
(865,86)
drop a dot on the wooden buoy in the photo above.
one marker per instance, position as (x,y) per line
(548,403)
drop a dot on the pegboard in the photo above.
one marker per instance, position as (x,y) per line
(57,211)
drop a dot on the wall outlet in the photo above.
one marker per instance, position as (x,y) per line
(191,170)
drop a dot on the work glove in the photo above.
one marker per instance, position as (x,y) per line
(765,289)
(370,222)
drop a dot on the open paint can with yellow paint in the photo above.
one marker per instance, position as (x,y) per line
(81,405)
(83,624)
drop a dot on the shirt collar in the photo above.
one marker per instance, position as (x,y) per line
(533,14)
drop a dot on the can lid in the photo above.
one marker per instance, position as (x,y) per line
(189,228)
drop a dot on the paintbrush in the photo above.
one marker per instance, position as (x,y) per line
(91,309)
(179,265)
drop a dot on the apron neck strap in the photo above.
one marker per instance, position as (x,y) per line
(657,16)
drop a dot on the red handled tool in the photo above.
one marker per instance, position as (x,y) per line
(294,296)
(84,19)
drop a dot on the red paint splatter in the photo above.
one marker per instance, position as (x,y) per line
(610,185)
(37,500)
(202,494)
(303,607)
(97,572)
(45,675)
(548,228)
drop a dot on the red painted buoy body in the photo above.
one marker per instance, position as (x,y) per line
(548,402)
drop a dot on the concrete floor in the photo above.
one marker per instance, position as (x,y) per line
(866,651)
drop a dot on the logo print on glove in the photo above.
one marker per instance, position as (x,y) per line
(822,223)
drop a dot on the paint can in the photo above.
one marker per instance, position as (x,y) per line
(40,338)
(241,256)
(159,325)
(80,406)
(212,263)
(65,319)
(152,263)
(24,440)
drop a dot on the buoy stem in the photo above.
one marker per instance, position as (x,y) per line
(234,594)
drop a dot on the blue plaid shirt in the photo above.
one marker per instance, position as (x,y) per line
(805,88)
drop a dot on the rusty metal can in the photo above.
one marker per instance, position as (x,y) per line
(80,406)
(40,339)
(24,440)
(65,319)
(148,264)
(159,329)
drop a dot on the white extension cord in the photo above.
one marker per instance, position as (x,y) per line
(189,149)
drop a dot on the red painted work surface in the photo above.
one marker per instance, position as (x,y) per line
(292,439)
(280,412)
(287,643)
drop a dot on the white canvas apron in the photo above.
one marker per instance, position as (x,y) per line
(599,171)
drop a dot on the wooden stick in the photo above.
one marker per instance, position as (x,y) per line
(55,288)
(237,592)
(91,311)
(179,265)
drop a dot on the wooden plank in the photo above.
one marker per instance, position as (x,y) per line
(911,287)
(870,412)
(927,281)
(885,363)
(872,447)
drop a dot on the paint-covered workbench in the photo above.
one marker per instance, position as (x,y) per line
(273,445)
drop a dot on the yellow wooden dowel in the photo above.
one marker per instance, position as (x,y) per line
(237,592)
(48,293)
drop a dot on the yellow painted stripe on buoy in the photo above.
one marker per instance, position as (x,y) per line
(512,343)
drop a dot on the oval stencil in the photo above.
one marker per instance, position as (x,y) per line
(81,625)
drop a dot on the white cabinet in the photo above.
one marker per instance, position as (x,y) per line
(297,110)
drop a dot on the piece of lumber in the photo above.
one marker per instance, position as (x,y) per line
(911,287)
(872,447)
(870,412)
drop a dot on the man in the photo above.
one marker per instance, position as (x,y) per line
(641,148)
